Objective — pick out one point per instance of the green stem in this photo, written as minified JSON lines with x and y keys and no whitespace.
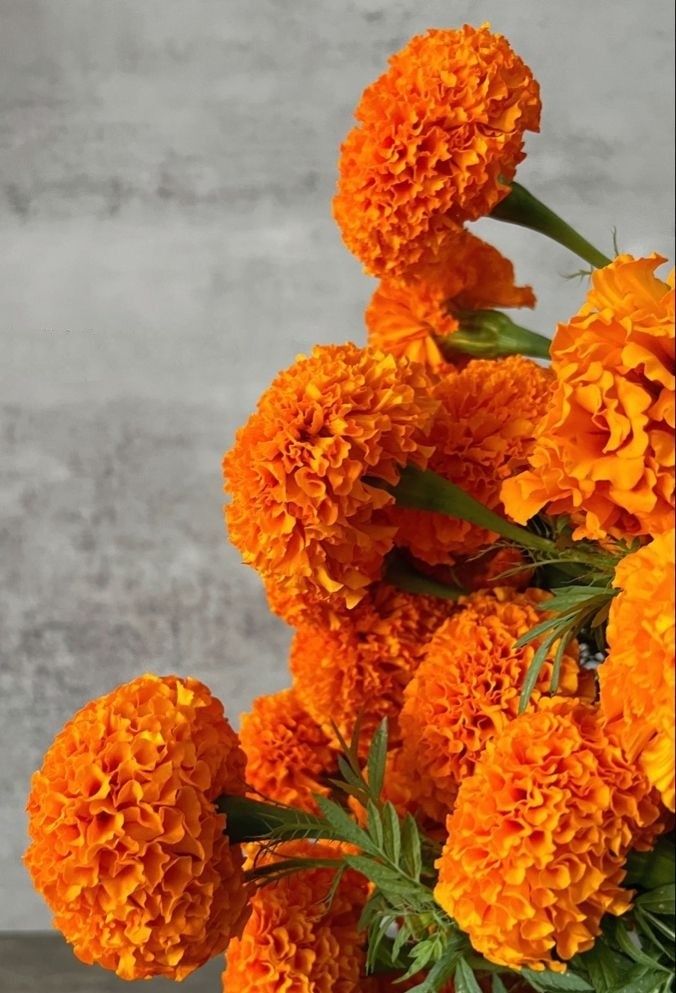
{"x":423,"y":489}
{"x":521,"y":207}
{"x":489,"y":334}
{"x":253,"y":820}
{"x":400,"y":574}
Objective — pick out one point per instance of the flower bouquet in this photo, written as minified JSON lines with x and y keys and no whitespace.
{"x":469,"y":785}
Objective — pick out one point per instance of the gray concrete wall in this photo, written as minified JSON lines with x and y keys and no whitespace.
{"x":165,"y":246}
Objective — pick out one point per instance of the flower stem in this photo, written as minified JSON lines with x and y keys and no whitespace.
{"x":423,"y":489}
{"x":399,"y":573}
{"x":521,"y":207}
{"x":490,"y":334}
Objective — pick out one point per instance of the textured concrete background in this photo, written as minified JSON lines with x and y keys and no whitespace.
{"x":167,"y":245}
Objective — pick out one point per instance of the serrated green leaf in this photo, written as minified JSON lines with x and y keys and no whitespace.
{"x":375,"y":762}
{"x":617,"y":931}
{"x":641,"y":980}
{"x":374,"y":825}
{"x":388,"y":880}
{"x":605,"y":967}
{"x":649,"y":870}
{"x":464,"y":979}
{"x":556,"y":982}
{"x":440,"y":973}
{"x":411,"y":847}
{"x":344,"y":826}
{"x":391,"y":833}
{"x":660,"y":901}
{"x":564,"y":641}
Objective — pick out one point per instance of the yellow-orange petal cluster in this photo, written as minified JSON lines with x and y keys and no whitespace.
{"x":637,"y":678}
{"x":407,"y":318}
{"x":360,"y":670}
{"x":483,"y":433}
{"x":539,"y":834}
{"x":127,"y":847}
{"x":304,"y":510}
{"x":437,"y":141}
{"x":288,"y":756}
{"x":295,"y":940}
{"x":604,"y":453}
{"x":467,"y":689}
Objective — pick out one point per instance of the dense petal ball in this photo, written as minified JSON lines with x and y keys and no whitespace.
{"x":637,"y":678}
{"x":467,"y":688}
{"x":360,"y":669}
{"x":437,"y":141}
{"x":288,"y":756}
{"x":408,"y":318}
{"x":127,"y":847}
{"x":294,"y":940}
{"x":605,"y":451}
{"x":539,"y":835}
{"x":304,"y":511}
{"x":483,"y":433}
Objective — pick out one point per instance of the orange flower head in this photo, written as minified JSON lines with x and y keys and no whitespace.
{"x":407,"y":318}
{"x":305,"y":511}
{"x":359,"y":670}
{"x":637,"y":678}
{"x":482,"y":434}
{"x":467,"y":688}
{"x":605,"y":451}
{"x":437,"y":141}
{"x":539,"y":835}
{"x":294,"y":940}
{"x":127,"y":847}
{"x":288,"y":756}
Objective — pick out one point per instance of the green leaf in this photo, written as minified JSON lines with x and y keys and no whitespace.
{"x":440,"y":973}
{"x":640,"y":980}
{"x":497,"y":985}
{"x":556,"y":982}
{"x":651,"y":869}
{"x":374,"y":825}
{"x":392,"y":833}
{"x":411,"y":847}
{"x":564,"y":641}
{"x":534,"y":670}
{"x":345,"y":828}
{"x":375,"y":762}
{"x":617,"y":931}
{"x":465,"y":980}
{"x":605,"y":967}
{"x":659,"y":901}
{"x":391,"y":882}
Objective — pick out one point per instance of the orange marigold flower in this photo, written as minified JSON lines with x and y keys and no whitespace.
{"x":360,"y":669}
{"x":127,"y":847}
{"x":637,"y":678}
{"x":408,"y":318}
{"x":294,"y":940}
{"x":467,"y":688}
{"x":438,"y":138}
{"x":539,"y":835}
{"x":605,"y":452}
{"x":482,"y":434}
{"x":288,"y":756}
{"x":304,"y":511}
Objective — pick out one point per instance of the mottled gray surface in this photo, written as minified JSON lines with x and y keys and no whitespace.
{"x":167,"y":245}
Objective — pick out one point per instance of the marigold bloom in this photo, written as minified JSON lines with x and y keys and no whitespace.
{"x":539,"y":834}
{"x":438,"y":138}
{"x":467,"y":688}
{"x":360,"y":669}
{"x":482,"y":434}
{"x":408,"y":318}
{"x":294,"y":940}
{"x":288,"y":756}
{"x":303,"y":511}
{"x":637,"y":678}
{"x":127,"y":847}
{"x":605,"y":452}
